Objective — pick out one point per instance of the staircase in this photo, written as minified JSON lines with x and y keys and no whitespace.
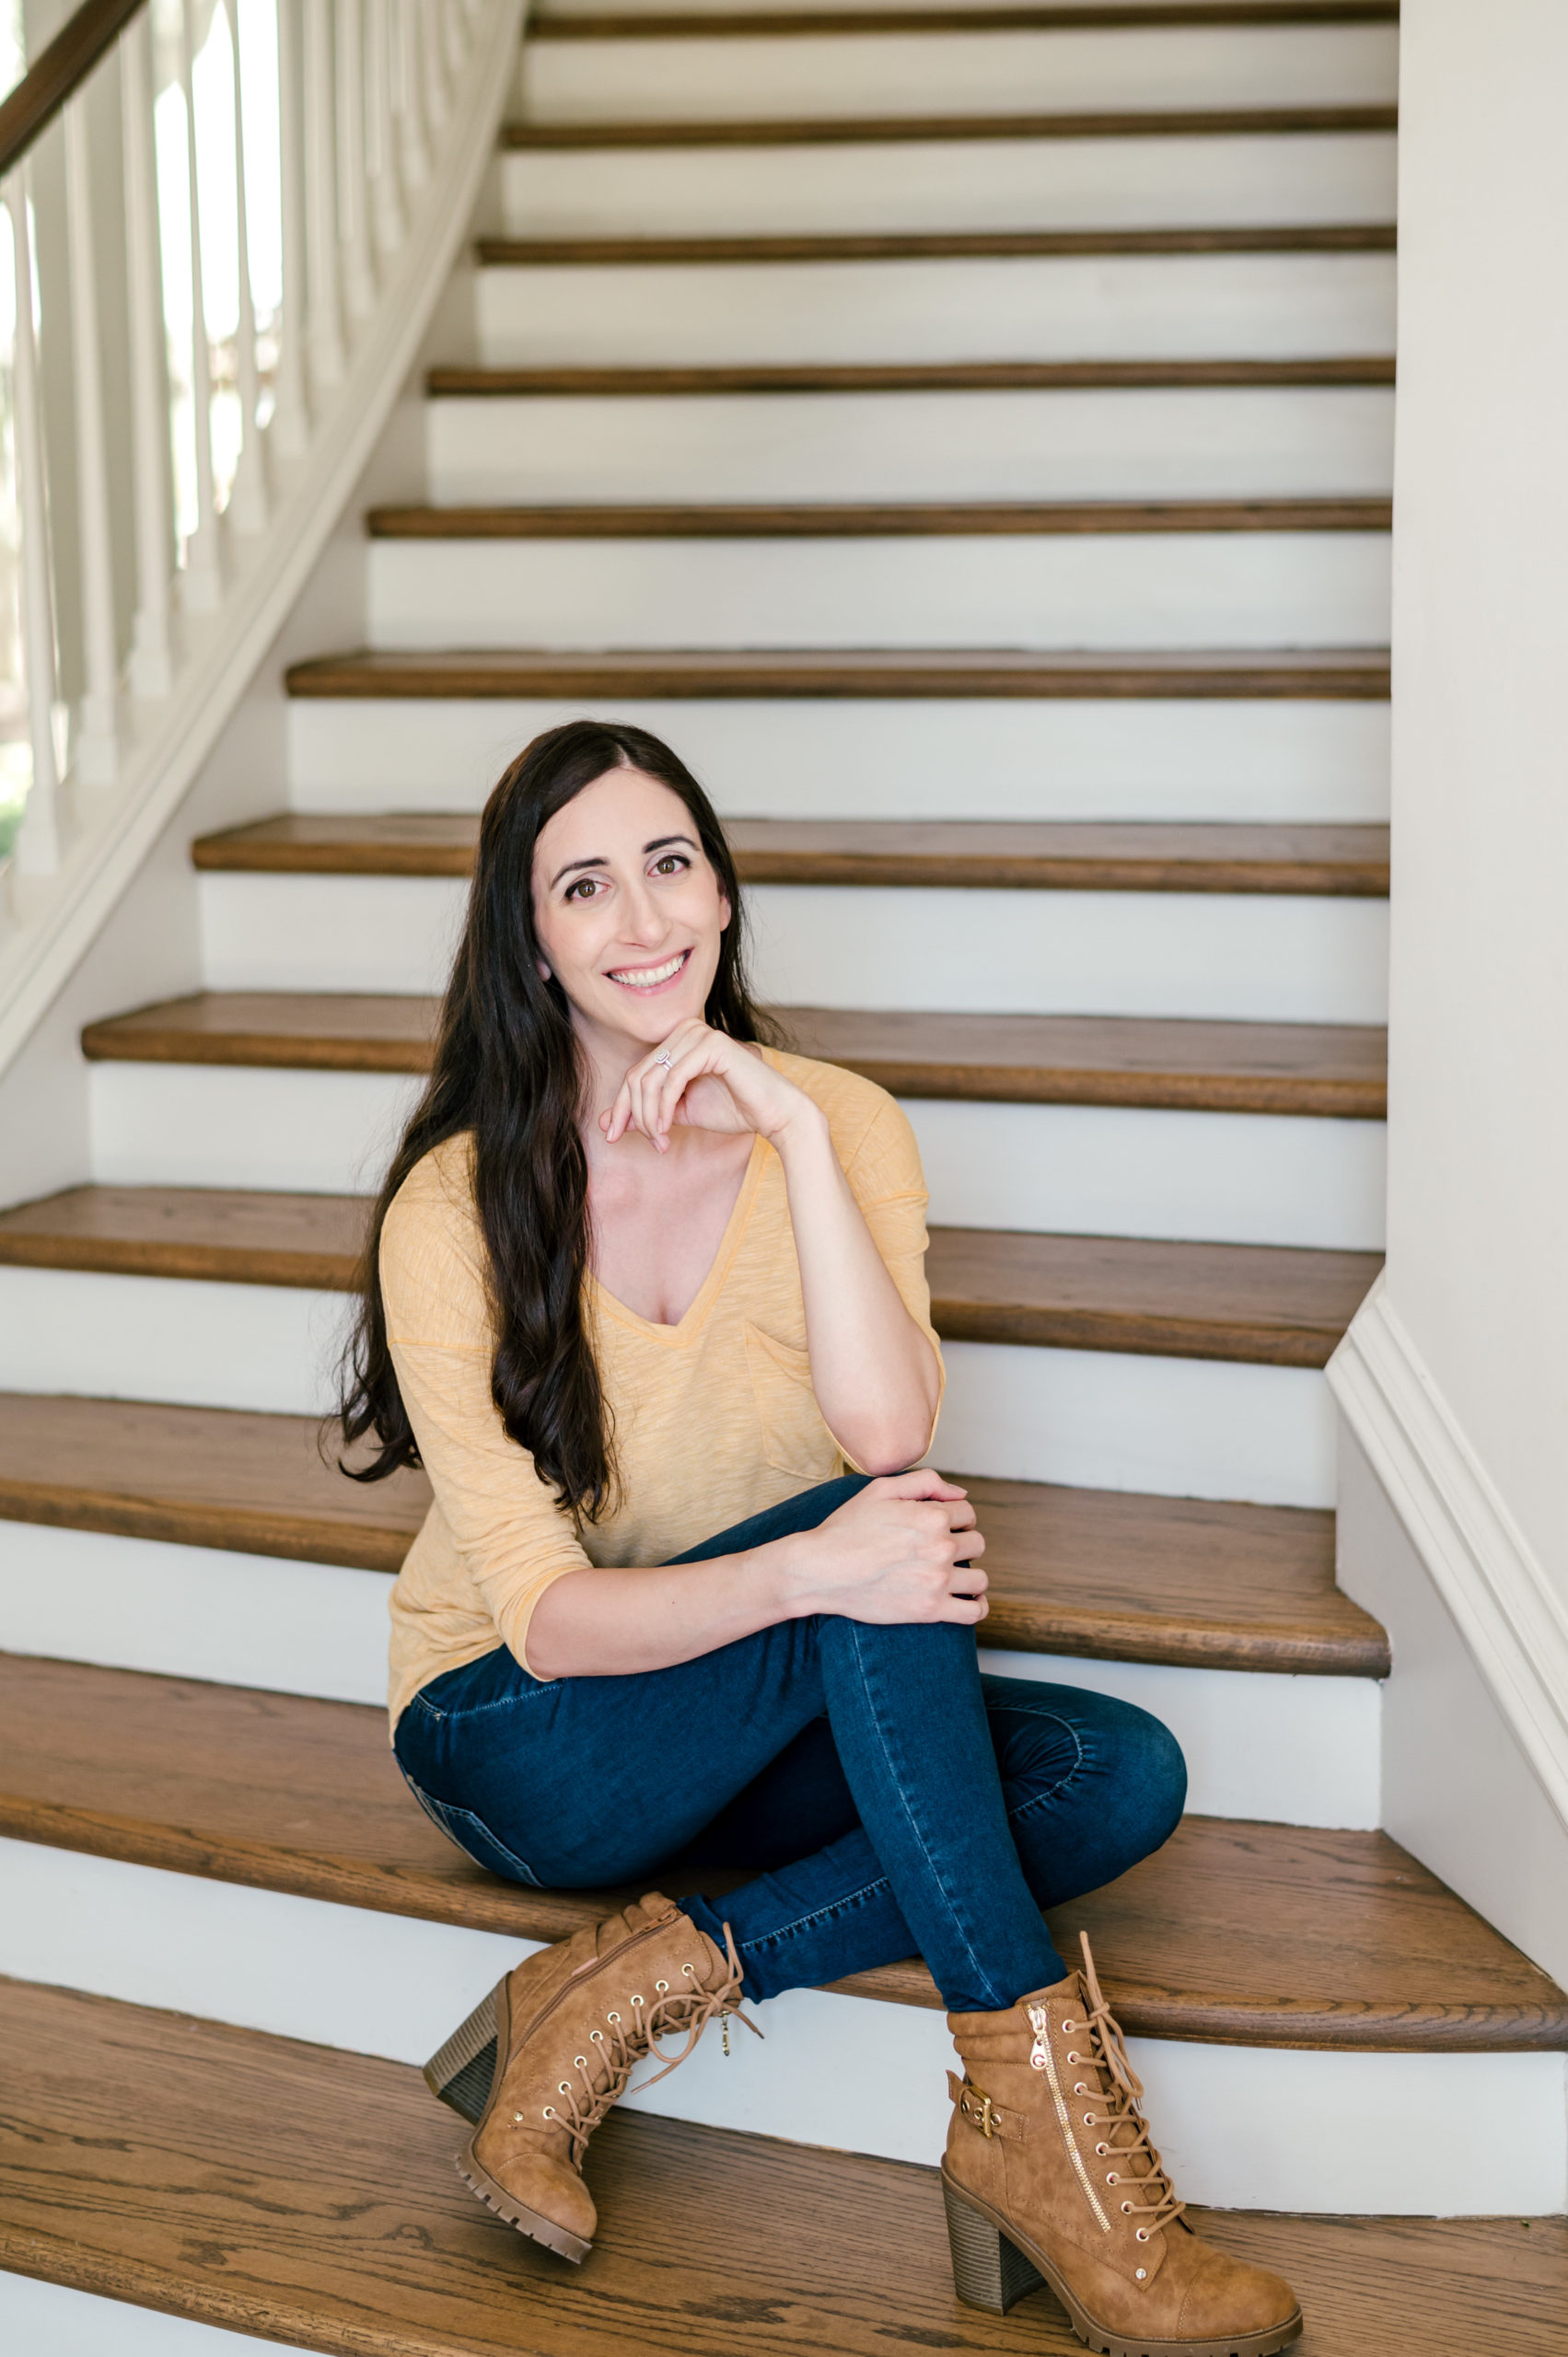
{"x":967,"y":437}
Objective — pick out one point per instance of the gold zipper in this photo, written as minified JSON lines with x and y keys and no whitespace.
{"x":1041,"y":2059}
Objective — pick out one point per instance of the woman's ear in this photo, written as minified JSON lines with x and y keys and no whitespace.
{"x":724,"y":907}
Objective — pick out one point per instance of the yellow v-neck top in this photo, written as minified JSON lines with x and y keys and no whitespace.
{"x":713,"y":1418}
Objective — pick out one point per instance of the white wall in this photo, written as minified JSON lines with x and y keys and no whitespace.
{"x":1478,"y":1148}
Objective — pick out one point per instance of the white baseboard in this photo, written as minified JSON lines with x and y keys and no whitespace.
{"x":1262,"y":2128}
{"x":1504,"y":1604}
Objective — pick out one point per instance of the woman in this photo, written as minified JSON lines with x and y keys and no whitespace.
{"x":638,"y":1278}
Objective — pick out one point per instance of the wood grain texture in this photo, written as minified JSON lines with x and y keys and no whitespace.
{"x":1341,"y":861}
{"x":1264,"y":1304}
{"x":818,"y":131}
{"x":1115,"y":15}
{"x":1098,"y":1572}
{"x":903,"y":376}
{"x":225,"y":1235}
{"x":876,"y":520}
{"x":1345,"y":674}
{"x":1238,"y":1934}
{"x":936,"y":245}
{"x":1303,"y":1068}
{"x":336,"y":2221}
{"x":1260,"y":1304}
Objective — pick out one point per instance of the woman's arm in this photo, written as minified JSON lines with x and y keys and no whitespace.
{"x":875,"y":1373}
{"x":904,"y":1548}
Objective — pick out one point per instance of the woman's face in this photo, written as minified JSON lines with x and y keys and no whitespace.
{"x":627,"y":911}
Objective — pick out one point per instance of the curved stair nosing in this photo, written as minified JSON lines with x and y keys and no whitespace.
{"x":813,"y":131}
{"x":1325,"y":860}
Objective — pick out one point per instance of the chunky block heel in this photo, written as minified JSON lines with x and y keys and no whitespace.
{"x":462,"y":2071}
{"x":988,"y":2271}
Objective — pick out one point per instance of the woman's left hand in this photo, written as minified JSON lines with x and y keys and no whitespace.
{"x":706,"y":1079}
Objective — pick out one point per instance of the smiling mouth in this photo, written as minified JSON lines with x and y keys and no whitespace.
{"x":649,"y":977}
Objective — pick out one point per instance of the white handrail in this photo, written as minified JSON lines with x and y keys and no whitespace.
{"x":313,"y":271}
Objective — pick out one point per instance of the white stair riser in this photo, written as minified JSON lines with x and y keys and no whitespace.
{"x":1221,"y":956}
{"x":1240,"y":2127}
{"x":1184,"y":1427}
{"x":40,"y":2319}
{"x":1283,"y":1749}
{"x":1083,"y":1169}
{"x":1213,"y":307}
{"x":843,"y":759}
{"x":1273,"y":181}
{"x":1122,"y":444}
{"x":1177,"y":590}
{"x":1054,"y":72}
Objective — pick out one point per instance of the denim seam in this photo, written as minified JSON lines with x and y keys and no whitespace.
{"x":476,"y":1710}
{"x":808,"y":1922}
{"x":982,"y":1978}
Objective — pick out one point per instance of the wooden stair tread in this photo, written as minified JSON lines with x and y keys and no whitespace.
{"x":824,"y":520}
{"x":1000,"y":853}
{"x":1118,"y":16}
{"x":900,"y":377}
{"x":935,"y":245}
{"x":813,"y":131}
{"x":336,"y":2221}
{"x":1336,"y":674}
{"x":1200,"y":1940}
{"x":1298,"y":1068}
{"x":1101,"y":1573}
{"x":1265,"y":1305}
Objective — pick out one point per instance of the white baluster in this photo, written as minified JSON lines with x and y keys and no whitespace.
{"x":327,"y":359}
{"x":409,"y":96}
{"x":430,"y":58}
{"x":152,"y":667}
{"x":290,"y":428}
{"x":354,"y":216}
{"x":247,"y":499}
{"x":96,"y":752}
{"x":387,"y":202}
{"x":37,"y":851}
{"x":203,"y":560}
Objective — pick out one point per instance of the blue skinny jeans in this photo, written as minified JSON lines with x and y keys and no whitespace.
{"x":885,"y":1797}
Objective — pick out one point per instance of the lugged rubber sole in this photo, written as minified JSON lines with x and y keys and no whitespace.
{"x":518,"y":2214}
{"x":994,"y":2266}
{"x":462,"y":2073}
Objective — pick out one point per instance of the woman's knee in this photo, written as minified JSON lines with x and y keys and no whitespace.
{"x":1150,"y":1773}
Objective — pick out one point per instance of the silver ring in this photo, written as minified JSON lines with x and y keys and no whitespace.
{"x":662,"y":1057}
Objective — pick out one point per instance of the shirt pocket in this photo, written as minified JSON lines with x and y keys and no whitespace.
{"x":794,"y":1438}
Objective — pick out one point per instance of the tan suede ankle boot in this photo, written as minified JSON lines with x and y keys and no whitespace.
{"x":1050,"y":2177}
{"x":539,"y":2065}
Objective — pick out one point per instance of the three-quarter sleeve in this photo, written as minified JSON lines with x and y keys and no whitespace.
{"x":884,"y":1171}
{"x":511,"y":1538}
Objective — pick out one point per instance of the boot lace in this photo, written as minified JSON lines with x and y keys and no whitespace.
{"x":622,"y":2045}
{"x":1142,"y":2173}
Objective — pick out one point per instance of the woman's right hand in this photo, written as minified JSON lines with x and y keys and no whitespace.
{"x":903,"y":1549}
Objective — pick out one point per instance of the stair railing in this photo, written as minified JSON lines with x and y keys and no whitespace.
{"x":225,"y":225}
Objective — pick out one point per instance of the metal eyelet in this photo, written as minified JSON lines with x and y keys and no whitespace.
{"x":661,"y":1986}
{"x":1140,"y":2274}
{"x":581,"y":2061}
{"x":639,"y":2001}
{"x":1081,"y":2090}
{"x":689,"y":1968}
{"x":1112,"y":2177}
{"x":550,"y":2112}
{"x":1143,"y":2233}
{"x":596,"y":2038}
{"x":1075,"y":2058}
{"x":517,"y":2119}
{"x":1127,"y":2209}
{"x":564,"y":2089}
{"x":1089,"y":2120}
{"x":1068,"y":2028}
{"x":612,"y":2017}
{"x":1102,"y":2150}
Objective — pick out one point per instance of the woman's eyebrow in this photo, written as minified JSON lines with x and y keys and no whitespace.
{"x":599,"y":860}
{"x":663,"y":843}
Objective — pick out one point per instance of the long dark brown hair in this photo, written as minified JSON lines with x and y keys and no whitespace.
{"x":507,"y":1068}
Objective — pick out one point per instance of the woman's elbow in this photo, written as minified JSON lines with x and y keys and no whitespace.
{"x":892,"y":1448}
